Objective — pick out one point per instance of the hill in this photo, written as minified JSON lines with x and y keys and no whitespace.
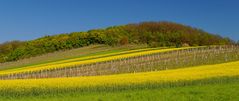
{"x":148,"y":61}
{"x":154,"y":34}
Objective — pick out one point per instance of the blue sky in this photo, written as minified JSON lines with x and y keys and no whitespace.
{"x":30,"y":19}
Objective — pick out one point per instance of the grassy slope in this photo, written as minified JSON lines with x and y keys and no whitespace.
{"x":92,"y":50}
{"x":96,"y":55}
{"x":91,"y":60}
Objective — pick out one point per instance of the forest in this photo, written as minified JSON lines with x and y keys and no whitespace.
{"x":154,"y":34}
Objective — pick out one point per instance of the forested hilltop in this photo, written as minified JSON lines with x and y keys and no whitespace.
{"x":155,"y":34}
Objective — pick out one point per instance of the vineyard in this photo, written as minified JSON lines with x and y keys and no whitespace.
{"x":168,"y":78}
{"x":125,"y":71}
{"x":89,"y":50}
{"x":141,"y":60}
{"x":87,"y":60}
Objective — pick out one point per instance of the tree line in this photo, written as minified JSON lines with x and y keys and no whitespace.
{"x":155,"y":34}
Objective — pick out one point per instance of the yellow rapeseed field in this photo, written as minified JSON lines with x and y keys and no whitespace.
{"x":94,"y":60}
{"x":194,"y":73}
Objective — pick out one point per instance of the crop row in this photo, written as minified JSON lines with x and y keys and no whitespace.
{"x":94,"y":57}
{"x":69,"y":55}
{"x":169,"y":77}
{"x":87,"y":61}
{"x":153,"y":62}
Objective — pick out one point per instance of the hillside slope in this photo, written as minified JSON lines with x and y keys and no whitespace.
{"x":82,"y":86}
{"x":125,"y":61}
{"x":129,"y":73}
{"x":155,"y":34}
{"x":86,"y":51}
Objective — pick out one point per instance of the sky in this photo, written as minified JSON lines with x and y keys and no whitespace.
{"x":30,"y":19}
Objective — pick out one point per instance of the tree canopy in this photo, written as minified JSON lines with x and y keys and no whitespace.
{"x":155,"y":34}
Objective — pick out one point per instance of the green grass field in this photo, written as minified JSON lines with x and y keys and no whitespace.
{"x":224,"y":90}
{"x":211,"y":92}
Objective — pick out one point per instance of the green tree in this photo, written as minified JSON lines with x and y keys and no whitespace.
{"x":154,"y":34}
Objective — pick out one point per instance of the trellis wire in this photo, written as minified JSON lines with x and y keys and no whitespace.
{"x":144,"y":63}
